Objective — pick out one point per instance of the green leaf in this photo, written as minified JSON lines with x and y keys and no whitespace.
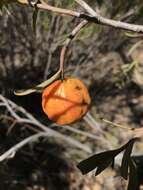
{"x":4,"y":7}
{"x":133,"y":178}
{"x":133,"y":35}
{"x":126,"y":160}
{"x":39,"y":87}
{"x":34,"y":18}
{"x":134,"y":47}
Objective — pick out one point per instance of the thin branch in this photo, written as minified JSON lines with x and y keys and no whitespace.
{"x":48,"y":65}
{"x":97,"y":137}
{"x":12,"y":151}
{"x":32,"y":120}
{"x":87,"y":7}
{"x":108,"y":22}
{"x":67,"y":139}
{"x":48,"y":7}
{"x":78,"y":131}
{"x":4,"y":100}
{"x":92,"y":123}
{"x":67,"y":43}
{"x":92,"y":16}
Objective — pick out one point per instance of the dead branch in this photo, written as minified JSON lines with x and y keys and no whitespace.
{"x":29,"y":119}
{"x":45,"y":131}
{"x":92,"y":16}
{"x":109,"y":22}
{"x":12,"y":151}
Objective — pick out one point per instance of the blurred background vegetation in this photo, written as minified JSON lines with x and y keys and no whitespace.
{"x":109,"y":61}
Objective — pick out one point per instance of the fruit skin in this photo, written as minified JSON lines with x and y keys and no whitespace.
{"x":66,"y":101}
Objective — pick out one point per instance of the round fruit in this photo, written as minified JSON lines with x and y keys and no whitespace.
{"x":65,"y":101}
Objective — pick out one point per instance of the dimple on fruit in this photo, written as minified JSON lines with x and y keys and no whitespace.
{"x":65,"y":101}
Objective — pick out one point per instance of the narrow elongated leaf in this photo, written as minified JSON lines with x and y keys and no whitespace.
{"x":113,"y":163}
{"x":103,"y":166}
{"x":133,"y":178}
{"x":4,"y":7}
{"x":101,"y":160}
{"x":126,"y":160}
{"x":134,"y":47}
{"x":133,"y":35}
{"x":34,"y":19}
{"x":39,"y":87}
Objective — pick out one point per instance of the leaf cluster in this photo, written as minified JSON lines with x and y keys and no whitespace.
{"x":105,"y":159}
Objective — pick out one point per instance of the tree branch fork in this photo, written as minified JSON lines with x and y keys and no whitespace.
{"x":90,"y":16}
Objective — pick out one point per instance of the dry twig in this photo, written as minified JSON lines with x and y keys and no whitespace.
{"x":92,"y":16}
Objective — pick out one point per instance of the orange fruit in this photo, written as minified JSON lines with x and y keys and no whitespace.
{"x":65,"y":101}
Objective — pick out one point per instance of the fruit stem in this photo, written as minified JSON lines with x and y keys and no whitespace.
{"x":62,"y":62}
{"x":62,"y":73}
